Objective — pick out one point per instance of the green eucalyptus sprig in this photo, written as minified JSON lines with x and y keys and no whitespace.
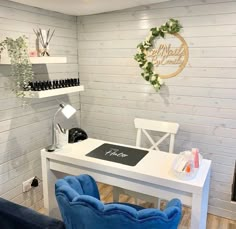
{"x":21,"y":67}
{"x":172,"y":26}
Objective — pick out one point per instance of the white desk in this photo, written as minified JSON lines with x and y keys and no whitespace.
{"x":152,"y":176}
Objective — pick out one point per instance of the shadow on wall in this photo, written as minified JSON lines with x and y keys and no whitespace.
{"x":24,"y":131}
{"x":165,"y":94}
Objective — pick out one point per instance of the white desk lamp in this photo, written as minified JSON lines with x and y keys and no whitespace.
{"x":67,"y":110}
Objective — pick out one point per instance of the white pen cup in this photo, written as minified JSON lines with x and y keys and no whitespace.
{"x":62,"y":138}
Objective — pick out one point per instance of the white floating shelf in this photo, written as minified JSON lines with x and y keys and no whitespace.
{"x":40,"y":60}
{"x":48,"y":60}
{"x":53,"y":92}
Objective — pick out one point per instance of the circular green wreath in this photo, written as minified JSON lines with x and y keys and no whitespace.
{"x":172,"y":26}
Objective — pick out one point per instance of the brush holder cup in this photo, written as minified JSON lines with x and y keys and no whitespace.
{"x":61,"y":138}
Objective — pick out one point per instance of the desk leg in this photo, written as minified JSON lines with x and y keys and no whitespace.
{"x":200,"y":206}
{"x":49,"y":180}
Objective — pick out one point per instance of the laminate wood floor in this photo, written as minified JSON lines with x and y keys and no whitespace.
{"x":213,"y":222}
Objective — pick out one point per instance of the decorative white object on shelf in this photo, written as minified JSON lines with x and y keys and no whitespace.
{"x":40,"y":60}
{"x":53,"y":92}
{"x":43,"y":38}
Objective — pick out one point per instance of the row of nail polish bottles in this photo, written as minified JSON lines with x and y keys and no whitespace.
{"x":53,"y":84}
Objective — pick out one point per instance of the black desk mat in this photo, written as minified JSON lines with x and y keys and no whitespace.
{"x":118,"y":154}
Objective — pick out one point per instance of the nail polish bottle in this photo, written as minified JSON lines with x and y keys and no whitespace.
{"x":30,"y":86}
{"x":53,"y":84}
{"x":70,"y":82}
{"x":57,"y":84}
{"x":50,"y":85}
{"x":76,"y":82}
{"x":37,"y":86}
{"x":47,"y":85}
{"x":33,"y":86}
{"x":60,"y":83}
{"x":42,"y":85}
{"x":195,"y":153}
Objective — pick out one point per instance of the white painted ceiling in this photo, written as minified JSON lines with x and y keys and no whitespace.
{"x":86,"y":7}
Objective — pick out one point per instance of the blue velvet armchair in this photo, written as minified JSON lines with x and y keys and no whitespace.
{"x":15,"y":216}
{"x":80,"y":206}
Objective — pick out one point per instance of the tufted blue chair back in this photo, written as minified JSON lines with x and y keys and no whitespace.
{"x":79,"y":202}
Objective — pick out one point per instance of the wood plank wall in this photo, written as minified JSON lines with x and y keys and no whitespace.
{"x":24,"y":131}
{"x":202,"y":99}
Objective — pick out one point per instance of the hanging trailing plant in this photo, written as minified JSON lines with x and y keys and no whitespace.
{"x":170,"y":27}
{"x":21,"y":67}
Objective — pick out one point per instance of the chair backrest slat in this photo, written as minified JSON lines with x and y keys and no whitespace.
{"x":166,"y":127}
{"x":160,"y":140}
{"x":150,"y":139}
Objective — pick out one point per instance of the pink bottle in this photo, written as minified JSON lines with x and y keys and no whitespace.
{"x":195,"y":153}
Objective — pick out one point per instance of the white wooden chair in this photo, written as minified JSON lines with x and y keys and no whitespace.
{"x":170,"y":129}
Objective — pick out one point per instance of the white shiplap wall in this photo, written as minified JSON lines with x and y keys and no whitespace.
{"x":202,"y":98}
{"x":24,"y":131}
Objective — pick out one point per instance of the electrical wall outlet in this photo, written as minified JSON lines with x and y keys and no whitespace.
{"x":26,"y":185}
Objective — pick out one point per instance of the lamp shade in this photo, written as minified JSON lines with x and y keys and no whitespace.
{"x":68,"y":111}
